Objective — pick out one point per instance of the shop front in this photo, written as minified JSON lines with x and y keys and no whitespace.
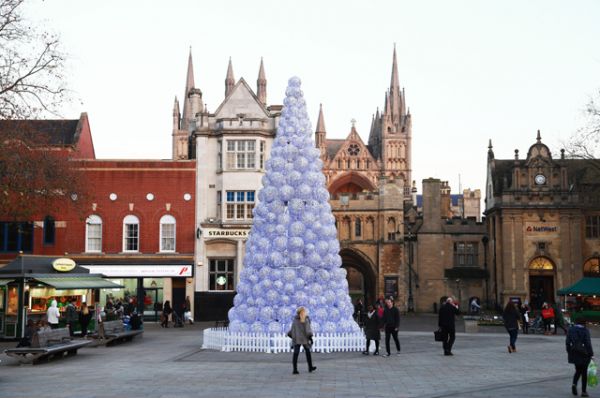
{"x":145,"y":286}
{"x":29,"y":284}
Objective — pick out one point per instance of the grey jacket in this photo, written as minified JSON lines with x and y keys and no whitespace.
{"x":300,"y":332}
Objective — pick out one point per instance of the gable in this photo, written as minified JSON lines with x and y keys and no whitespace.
{"x":353,"y":147}
{"x":241,"y":101}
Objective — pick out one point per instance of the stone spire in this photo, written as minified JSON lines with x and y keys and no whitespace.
{"x":176,"y":114}
{"x":320,"y":132}
{"x":395,"y":93}
{"x":189,"y":85}
{"x":539,"y":137}
{"x":229,"y":79}
{"x":261,"y":84}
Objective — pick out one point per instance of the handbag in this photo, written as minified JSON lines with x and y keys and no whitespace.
{"x":437,"y":335}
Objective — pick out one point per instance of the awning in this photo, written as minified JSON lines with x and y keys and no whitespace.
{"x":585,"y":286}
{"x":79,"y":283}
{"x":4,"y":282}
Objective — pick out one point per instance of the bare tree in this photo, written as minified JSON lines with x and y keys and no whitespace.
{"x":36,"y":176}
{"x":31,"y":66}
{"x":585,"y":143}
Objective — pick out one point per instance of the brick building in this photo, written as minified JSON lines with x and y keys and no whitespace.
{"x":134,"y":223}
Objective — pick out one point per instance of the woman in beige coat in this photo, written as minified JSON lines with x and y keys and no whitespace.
{"x":301,"y":335}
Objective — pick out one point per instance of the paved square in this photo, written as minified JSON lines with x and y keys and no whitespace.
{"x":170,"y":363}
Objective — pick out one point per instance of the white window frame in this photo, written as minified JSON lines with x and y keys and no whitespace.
{"x":245,"y":205}
{"x":93,"y":220}
{"x":167,"y":220}
{"x":131,"y":220}
{"x":239,"y":156}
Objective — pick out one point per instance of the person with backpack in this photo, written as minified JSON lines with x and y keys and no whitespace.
{"x":580,"y":353}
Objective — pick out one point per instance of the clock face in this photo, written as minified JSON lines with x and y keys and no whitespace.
{"x":540,"y":179}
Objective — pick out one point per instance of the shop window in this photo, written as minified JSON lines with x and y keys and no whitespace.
{"x":131,"y":234}
{"x":592,"y":227}
{"x":93,"y":234}
{"x":221,"y":274}
{"x":167,"y":233}
{"x":239,"y":205}
{"x":15,"y":237}
{"x":241,"y":154}
{"x":465,"y":254}
{"x":49,"y":230}
{"x":357,"y":228}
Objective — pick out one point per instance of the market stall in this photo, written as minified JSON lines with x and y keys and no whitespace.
{"x":29,"y":284}
{"x":582,"y":299}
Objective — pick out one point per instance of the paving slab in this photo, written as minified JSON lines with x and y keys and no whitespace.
{"x":171,"y":363}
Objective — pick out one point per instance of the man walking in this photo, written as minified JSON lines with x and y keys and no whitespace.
{"x":446,"y":322}
{"x":391,"y":322}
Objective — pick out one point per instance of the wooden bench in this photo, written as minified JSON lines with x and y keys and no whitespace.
{"x":47,"y":344}
{"x":222,"y":323}
{"x":111,"y":332}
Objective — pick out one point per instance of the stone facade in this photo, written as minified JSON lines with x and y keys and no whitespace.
{"x":449,"y":255}
{"x":543,"y":223}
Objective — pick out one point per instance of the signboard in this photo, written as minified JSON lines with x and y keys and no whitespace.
{"x":63,"y":264}
{"x":538,"y":228}
{"x":142,"y":271}
{"x":391,"y":287}
{"x":211,"y":233}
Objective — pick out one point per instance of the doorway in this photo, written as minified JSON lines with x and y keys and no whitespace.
{"x":178,"y":295}
{"x":541,"y":290}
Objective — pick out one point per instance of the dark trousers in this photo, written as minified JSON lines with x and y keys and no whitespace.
{"x":376,"y":345}
{"x":165,"y":320}
{"x":547,"y":324}
{"x":71,"y":326}
{"x":297,"y":352}
{"x":525,"y":326}
{"x":558,"y":324}
{"x":391,"y":331}
{"x":54,"y":326}
{"x":84,"y":329}
{"x":513,"y":333}
{"x":448,"y":337}
{"x":581,"y":370}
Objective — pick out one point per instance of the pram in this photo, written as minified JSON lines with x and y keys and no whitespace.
{"x":536,"y":326}
{"x":177,"y":320}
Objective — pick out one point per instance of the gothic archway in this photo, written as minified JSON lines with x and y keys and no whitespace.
{"x":361,"y":275}
{"x":350,"y":183}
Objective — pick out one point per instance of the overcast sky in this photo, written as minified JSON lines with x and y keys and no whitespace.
{"x":472,"y":70}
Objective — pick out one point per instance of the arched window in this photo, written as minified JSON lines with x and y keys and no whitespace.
{"x":131,"y":234}
{"x":49,"y":230}
{"x":592,"y":267}
{"x":357,"y":228}
{"x":93,"y":234}
{"x":167,"y":233}
{"x":391,"y":228}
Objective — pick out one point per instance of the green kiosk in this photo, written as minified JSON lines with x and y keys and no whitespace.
{"x":29,"y":283}
{"x":582,"y":299}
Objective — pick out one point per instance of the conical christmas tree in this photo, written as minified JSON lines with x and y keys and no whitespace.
{"x":292,"y":255}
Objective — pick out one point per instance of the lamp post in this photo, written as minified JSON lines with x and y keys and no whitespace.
{"x":410,"y":238}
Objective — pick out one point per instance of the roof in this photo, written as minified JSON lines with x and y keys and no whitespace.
{"x":36,"y":265}
{"x":55,"y":132}
{"x":585,"y":286}
{"x":333,"y":146}
{"x":64,"y":283}
{"x":454,"y":198}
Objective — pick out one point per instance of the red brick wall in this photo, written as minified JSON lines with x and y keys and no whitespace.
{"x":131,"y":181}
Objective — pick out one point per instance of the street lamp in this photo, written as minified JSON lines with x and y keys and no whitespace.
{"x":410,"y":238}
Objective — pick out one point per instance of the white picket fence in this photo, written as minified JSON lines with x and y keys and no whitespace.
{"x":222,"y":339}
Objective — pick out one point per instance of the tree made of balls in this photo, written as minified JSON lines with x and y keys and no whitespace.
{"x":292,"y":255}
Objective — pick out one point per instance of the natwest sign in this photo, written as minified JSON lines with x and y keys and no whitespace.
{"x":541,"y":228}
{"x":142,"y":271}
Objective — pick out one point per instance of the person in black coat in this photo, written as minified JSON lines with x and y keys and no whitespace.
{"x":511,"y":317}
{"x":391,"y":322}
{"x":372,"y":326}
{"x":167,"y":310}
{"x":85,"y":316}
{"x":447,"y":324}
{"x":580,"y":353}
